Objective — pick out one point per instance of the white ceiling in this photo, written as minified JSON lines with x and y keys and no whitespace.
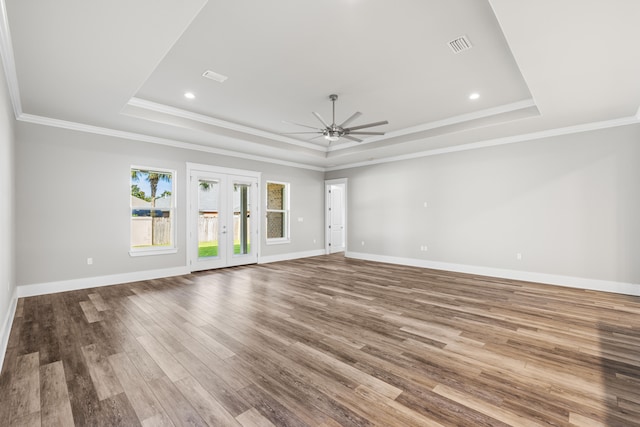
{"x":123,"y":66}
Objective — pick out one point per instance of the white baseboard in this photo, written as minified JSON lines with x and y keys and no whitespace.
{"x":6,"y":326}
{"x":115,"y":279}
{"x":290,"y":255}
{"x":528,"y":276}
{"x":92,"y":282}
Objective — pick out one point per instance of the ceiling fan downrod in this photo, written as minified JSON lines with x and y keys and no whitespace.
{"x":334,"y":132}
{"x":333,"y":97}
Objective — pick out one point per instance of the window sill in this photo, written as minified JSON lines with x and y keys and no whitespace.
{"x":278,"y":241}
{"x":149,"y":252}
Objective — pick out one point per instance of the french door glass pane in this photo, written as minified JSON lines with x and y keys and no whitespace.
{"x":208,"y":218}
{"x":241,"y":215}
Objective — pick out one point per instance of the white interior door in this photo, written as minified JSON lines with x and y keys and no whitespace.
{"x":336,"y":216}
{"x":223,"y":226}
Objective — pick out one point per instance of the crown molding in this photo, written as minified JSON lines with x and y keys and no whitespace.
{"x":8,"y":61}
{"x":80,"y":127}
{"x":201,"y":118}
{"x":624,"y":121}
{"x":488,"y":112}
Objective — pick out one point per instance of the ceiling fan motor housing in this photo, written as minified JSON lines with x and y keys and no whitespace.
{"x":333,"y":134}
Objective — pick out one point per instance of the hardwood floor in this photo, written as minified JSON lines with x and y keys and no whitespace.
{"x":324,"y":341}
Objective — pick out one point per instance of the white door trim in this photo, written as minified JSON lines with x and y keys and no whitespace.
{"x":219,"y":169}
{"x":327,"y":217}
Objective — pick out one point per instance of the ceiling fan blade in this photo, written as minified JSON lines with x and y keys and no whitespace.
{"x":351,"y":138}
{"x":319,"y":117}
{"x":366,"y":133}
{"x":368,"y":125}
{"x":299,"y":124}
{"x":350,"y":119}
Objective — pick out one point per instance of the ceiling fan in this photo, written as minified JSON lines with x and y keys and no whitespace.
{"x":333,"y":132}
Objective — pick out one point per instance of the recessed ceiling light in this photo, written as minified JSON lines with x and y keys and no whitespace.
{"x":474,"y":95}
{"x":189,"y":95}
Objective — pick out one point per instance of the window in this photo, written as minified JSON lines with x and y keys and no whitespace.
{"x":277,"y":212}
{"x":152,"y":211}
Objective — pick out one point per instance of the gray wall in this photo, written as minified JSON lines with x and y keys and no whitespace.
{"x":570,"y":205}
{"x":73,"y":203}
{"x":7,"y":235}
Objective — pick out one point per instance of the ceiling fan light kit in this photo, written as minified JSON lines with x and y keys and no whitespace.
{"x":333,"y":132}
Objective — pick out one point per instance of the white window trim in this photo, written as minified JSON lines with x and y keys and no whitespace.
{"x":165,"y":250}
{"x":135,"y":252}
{"x":286,"y":211}
{"x":278,"y":241}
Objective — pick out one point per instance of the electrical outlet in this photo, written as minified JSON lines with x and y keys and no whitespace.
{"x":425,"y":204}
{"x":519,"y":256}
{"x":363,"y":243}
{"x":314,"y":240}
{"x":89,"y":261}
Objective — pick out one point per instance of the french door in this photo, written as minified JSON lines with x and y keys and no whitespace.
{"x":223,"y":226}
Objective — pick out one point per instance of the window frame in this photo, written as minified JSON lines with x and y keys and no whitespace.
{"x":286,"y":212}
{"x":159,"y":250}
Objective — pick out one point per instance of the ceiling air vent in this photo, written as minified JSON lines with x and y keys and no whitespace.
{"x":214,"y":76}
{"x":460,"y":44}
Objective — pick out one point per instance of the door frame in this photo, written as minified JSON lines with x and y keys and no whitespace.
{"x":192,"y":239}
{"x":327,"y":215}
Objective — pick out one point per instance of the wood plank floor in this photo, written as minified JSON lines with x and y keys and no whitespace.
{"x":324,"y":341}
